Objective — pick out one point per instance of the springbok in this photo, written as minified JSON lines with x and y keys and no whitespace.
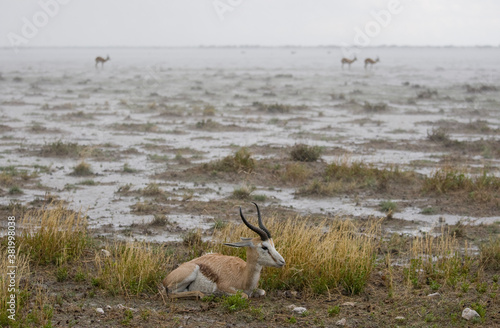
{"x":101,"y":60}
{"x":348,"y":61}
{"x":212,"y":273}
{"x":369,"y":61}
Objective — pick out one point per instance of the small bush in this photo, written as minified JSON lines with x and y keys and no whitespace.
{"x":243,"y":193}
{"x":15,"y":190}
{"x":82,"y":169}
{"x":388,"y":206}
{"x":304,"y":153}
{"x":439,"y":135}
{"x":160,"y":220}
{"x":62,"y":273}
{"x":241,"y":161}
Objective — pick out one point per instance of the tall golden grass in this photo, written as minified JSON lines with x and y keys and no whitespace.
{"x":319,"y":257}
{"x":53,"y":235}
{"x":131,"y":269}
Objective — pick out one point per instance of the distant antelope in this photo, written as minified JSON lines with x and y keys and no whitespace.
{"x":369,"y":61}
{"x":101,"y":60}
{"x":212,"y":273}
{"x":348,"y":61}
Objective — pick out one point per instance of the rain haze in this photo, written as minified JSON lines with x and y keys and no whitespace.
{"x":257,"y":22}
{"x":360,"y":139}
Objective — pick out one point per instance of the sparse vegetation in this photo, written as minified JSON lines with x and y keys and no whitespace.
{"x":82,"y":169}
{"x":305,"y":153}
{"x":241,"y":161}
{"x":243,"y":193}
{"x":378,"y":107}
{"x":388,"y":206}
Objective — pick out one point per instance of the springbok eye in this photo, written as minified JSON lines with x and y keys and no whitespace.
{"x":264,"y":248}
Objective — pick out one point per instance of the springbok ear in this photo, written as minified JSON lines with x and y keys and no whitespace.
{"x":246,"y":242}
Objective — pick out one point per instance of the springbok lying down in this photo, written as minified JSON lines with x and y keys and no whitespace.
{"x":214,"y":273}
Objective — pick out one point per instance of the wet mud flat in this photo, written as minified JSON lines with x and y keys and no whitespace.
{"x":143,"y":136}
{"x":165,"y":144}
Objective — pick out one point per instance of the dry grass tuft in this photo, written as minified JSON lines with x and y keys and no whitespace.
{"x":319,"y":257}
{"x":296,"y":173}
{"x":131,"y":269}
{"x":305,"y":153}
{"x":241,"y":161}
{"x":82,"y":169}
{"x":54,"y":235}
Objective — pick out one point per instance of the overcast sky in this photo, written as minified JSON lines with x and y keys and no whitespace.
{"x":249,"y":22}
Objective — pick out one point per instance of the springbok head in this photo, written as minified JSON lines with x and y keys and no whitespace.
{"x":262,"y":246}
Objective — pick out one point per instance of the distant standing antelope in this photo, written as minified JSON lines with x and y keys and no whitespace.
{"x":101,"y":60}
{"x":348,"y":61}
{"x":369,"y":61}
{"x":212,"y":273}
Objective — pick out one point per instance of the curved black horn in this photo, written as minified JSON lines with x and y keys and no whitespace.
{"x":261,"y":225}
{"x":260,"y":232}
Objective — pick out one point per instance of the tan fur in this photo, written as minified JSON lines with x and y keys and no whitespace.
{"x":369,"y":61}
{"x":348,"y":61}
{"x":101,"y":60}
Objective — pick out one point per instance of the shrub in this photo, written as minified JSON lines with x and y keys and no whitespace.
{"x":388,"y":206}
{"x":304,"y":153}
{"x":82,"y":169}
{"x":241,"y":161}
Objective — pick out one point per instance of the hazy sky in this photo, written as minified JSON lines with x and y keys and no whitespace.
{"x":242,"y":22}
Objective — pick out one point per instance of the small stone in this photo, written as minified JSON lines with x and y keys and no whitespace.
{"x":468,"y":314}
{"x":433,"y":295}
{"x":121,"y":307}
{"x":108,"y":307}
{"x":341,"y":322}
{"x":299,"y":309}
{"x":99,"y":310}
{"x":348,"y":304}
{"x":400,"y":318}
